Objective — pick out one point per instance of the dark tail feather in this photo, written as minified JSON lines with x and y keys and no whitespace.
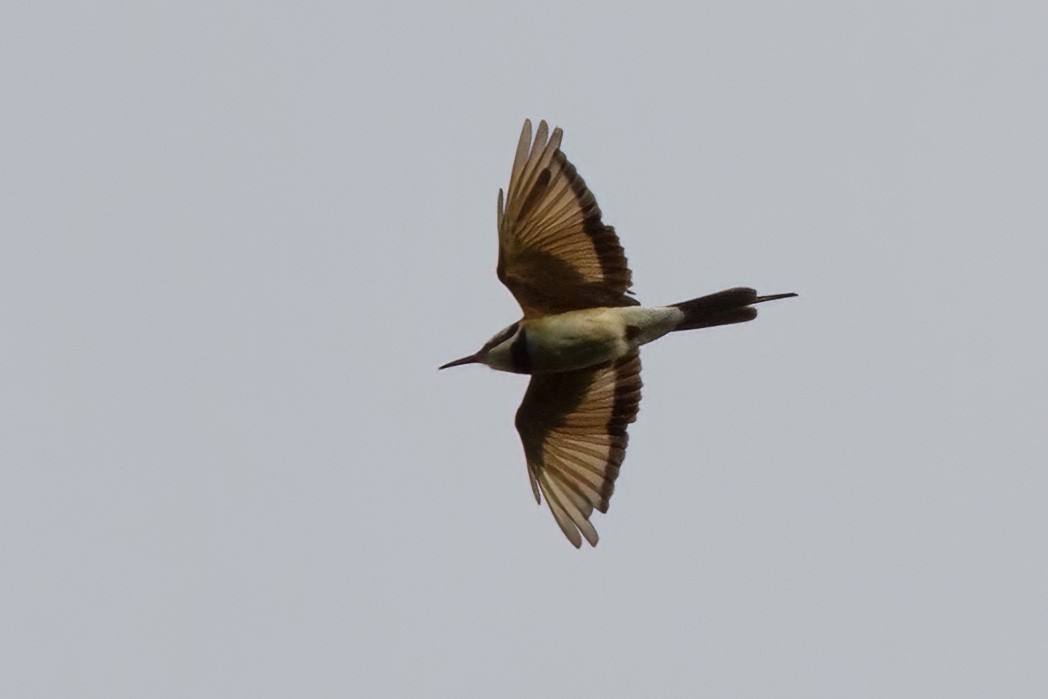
{"x":722,"y":308}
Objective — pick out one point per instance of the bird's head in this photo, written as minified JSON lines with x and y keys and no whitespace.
{"x":506,"y":351}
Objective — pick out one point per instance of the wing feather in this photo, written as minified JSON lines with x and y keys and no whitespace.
{"x":555,"y":253}
{"x":573,"y":428}
{"x":560,"y":513}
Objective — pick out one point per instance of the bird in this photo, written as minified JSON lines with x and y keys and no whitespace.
{"x":580,"y":333}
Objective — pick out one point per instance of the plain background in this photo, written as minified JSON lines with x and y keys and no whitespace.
{"x":238,"y":239}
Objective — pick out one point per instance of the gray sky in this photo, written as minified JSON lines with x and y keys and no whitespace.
{"x":238,"y":239}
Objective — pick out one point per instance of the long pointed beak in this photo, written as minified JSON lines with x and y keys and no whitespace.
{"x":471,"y":359}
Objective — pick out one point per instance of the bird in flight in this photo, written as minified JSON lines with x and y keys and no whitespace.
{"x":581,"y":331}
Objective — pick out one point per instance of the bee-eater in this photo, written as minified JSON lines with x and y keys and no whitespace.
{"x":580,"y":333}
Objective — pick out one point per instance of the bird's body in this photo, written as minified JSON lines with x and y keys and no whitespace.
{"x":579,"y":339}
{"x":580,"y":333}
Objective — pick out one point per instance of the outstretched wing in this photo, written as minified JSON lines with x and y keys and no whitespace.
{"x":573,"y":427}
{"x":555,"y":254}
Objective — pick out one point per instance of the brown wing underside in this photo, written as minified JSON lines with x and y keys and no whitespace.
{"x":555,"y":253}
{"x":573,"y":428}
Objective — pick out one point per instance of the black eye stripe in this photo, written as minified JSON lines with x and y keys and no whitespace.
{"x":519,"y":353}
{"x":501,"y":337}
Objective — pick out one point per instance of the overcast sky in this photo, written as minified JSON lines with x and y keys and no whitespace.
{"x":237,"y":239}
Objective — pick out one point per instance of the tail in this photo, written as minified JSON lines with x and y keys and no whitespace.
{"x":722,"y":308}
